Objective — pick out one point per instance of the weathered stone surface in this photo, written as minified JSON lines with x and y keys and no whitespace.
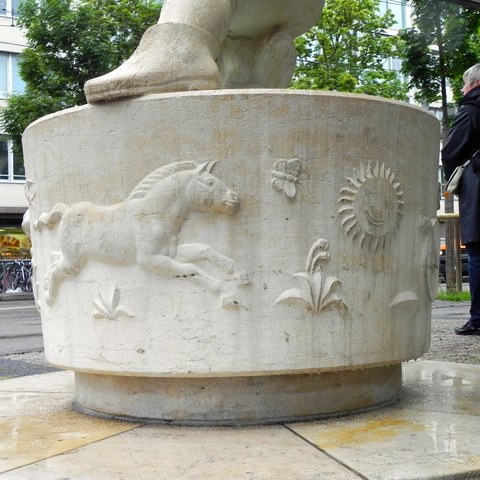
{"x":308,"y":246}
{"x":209,"y":44}
{"x":238,"y":400}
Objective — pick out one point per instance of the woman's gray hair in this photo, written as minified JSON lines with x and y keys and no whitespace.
{"x":472,"y":75}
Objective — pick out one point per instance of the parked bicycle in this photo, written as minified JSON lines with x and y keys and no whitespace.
{"x":15,"y":276}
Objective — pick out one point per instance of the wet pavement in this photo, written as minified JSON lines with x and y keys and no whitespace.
{"x":431,"y":433}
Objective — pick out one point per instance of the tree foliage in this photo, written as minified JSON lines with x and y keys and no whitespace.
{"x":440,"y":46}
{"x":347,"y":50}
{"x":69,"y":42}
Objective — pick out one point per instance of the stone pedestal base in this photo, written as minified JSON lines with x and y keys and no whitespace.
{"x":238,"y":400}
{"x":200,"y":257}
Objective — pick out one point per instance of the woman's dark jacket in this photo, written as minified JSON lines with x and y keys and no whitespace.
{"x":463,"y":141}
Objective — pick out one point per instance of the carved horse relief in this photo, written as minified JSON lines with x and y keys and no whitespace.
{"x":144,"y":228}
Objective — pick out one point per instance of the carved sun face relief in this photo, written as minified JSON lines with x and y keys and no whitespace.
{"x":371,"y":206}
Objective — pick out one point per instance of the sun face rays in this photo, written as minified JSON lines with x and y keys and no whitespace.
{"x":370,"y":206}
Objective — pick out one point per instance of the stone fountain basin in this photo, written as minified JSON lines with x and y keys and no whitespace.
{"x":299,"y":300}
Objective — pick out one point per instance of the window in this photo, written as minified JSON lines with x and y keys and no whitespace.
{"x":3,"y":159}
{"x":9,"y":7}
{"x":14,"y":6}
{"x":399,"y":10}
{"x":3,"y":74}
{"x":18,"y":85}
{"x":395,"y":65}
{"x":11,"y":169}
{"x":10,"y":81}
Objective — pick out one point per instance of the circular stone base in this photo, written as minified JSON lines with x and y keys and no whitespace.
{"x":237,"y":400}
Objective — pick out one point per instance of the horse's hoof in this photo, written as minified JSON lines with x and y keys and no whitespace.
{"x":230,"y":302}
{"x":155,"y":68}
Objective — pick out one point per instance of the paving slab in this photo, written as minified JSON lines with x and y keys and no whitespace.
{"x":441,"y":387}
{"x":395,"y":444}
{"x":56,"y":382}
{"x":37,"y":420}
{"x":431,"y":433}
{"x":186,"y":453}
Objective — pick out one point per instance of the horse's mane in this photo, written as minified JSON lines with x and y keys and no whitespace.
{"x":153,"y":178}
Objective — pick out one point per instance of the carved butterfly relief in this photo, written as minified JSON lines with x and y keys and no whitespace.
{"x":286,"y":176}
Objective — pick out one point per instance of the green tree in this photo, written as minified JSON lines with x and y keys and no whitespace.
{"x":69,"y":42}
{"x":442,"y":43}
{"x":347,"y":50}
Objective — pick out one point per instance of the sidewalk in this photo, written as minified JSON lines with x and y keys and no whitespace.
{"x":432,"y":432}
{"x":4,"y":297}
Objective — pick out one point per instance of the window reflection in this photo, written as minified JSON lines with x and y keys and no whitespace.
{"x":9,"y":7}
{"x":18,"y":85}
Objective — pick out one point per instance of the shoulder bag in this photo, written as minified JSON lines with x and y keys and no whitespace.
{"x":453,"y":184}
{"x":455,"y":180}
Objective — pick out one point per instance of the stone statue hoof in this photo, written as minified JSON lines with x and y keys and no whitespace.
{"x":157,"y":67}
{"x":113,"y":87}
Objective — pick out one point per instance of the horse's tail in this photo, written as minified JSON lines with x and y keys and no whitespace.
{"x":52,"y":217}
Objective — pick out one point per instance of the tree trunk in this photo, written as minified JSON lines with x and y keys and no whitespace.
{"x":450,"y":277}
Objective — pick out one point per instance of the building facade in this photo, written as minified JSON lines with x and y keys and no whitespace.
{"x":13,"y":243}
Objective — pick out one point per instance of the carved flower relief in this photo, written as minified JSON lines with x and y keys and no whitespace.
{"x":110,"y":308}
{"x":287,"y":174}
{"x":316,"y":290}
{"x":371,"y":206}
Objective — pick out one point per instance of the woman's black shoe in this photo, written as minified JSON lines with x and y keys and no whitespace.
{"x":467,"y":329}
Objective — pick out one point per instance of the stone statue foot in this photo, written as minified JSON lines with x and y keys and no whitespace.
{"x":170,"y":57}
